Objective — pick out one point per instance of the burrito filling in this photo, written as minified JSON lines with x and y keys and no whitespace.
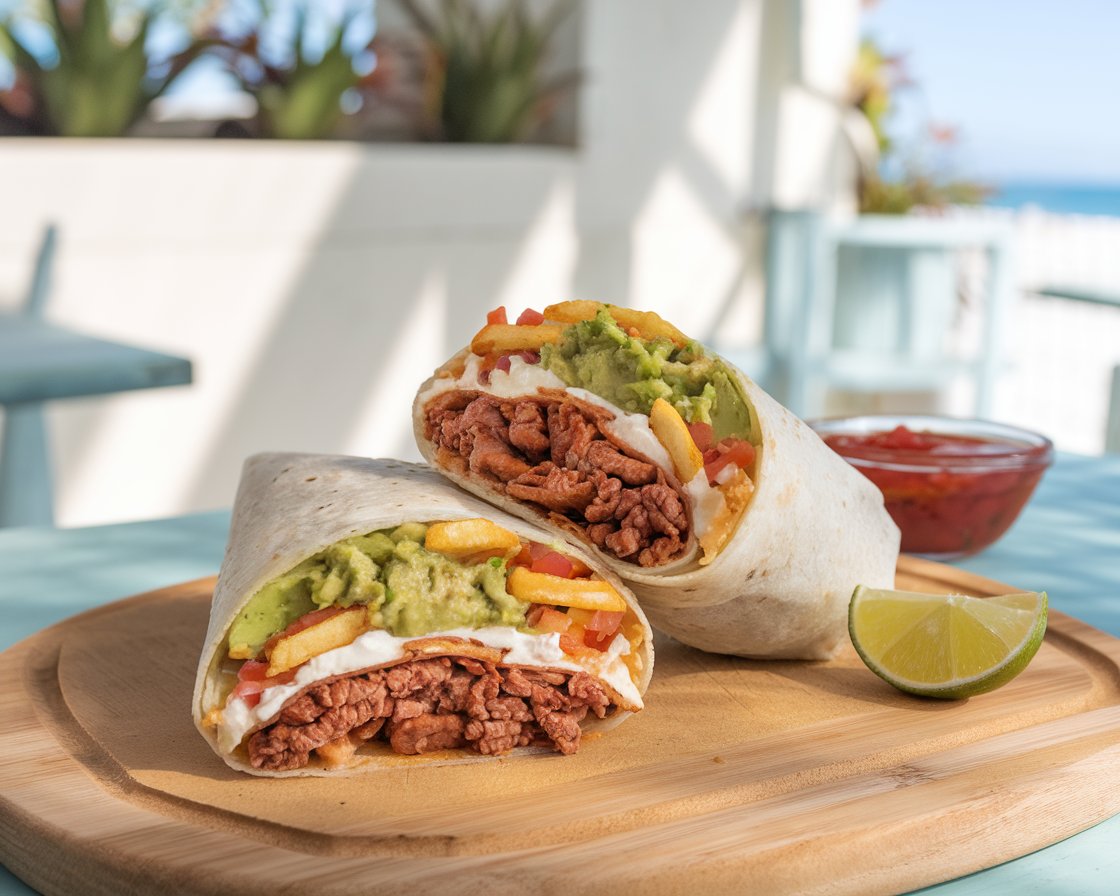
{"x":426,"y":637}
{"x":615,"y":426}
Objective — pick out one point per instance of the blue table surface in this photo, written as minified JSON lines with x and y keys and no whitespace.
{"x":1067,"y":543}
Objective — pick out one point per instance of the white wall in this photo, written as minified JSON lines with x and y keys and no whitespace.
{"x":315,"y":286}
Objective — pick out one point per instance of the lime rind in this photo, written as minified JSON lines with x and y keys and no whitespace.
{"x":963,"y":646}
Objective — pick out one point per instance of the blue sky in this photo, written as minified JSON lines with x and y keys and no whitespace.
{"x":1034,"y":85}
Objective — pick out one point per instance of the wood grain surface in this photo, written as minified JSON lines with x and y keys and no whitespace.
{"x":739,"y":776}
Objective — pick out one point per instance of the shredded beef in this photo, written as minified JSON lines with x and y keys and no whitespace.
{"x":528,"y":429}
{"x":553,"y":454}
{"x":435,"y":704}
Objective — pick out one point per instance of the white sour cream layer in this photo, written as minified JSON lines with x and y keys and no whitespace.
{"x":378,"y":647}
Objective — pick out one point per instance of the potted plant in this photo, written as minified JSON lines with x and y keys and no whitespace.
{"x":82,"y":78}
{"x":459,"y":74}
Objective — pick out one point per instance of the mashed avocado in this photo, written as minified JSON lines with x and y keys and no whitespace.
{"x":630,"y":372}
{"x":407,"y":590}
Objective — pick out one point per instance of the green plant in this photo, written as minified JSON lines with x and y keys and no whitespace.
{"x":299,"y":96}
{"x":91,"y":83}
{"x":483,"y":81}
{"x":875,"y":81}
{"x":916,"y":189}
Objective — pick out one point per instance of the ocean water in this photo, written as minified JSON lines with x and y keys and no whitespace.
{"x":1066,"y":199}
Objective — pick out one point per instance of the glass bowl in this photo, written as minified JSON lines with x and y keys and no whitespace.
{"x":953,"y":486}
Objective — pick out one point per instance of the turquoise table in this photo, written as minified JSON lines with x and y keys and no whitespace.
{"x":1067,"y":543}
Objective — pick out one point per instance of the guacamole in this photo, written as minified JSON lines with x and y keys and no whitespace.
{"x":406,"y":589}
{"x":630,"y":372}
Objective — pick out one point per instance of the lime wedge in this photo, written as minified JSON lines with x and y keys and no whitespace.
{"x":946,"y":645}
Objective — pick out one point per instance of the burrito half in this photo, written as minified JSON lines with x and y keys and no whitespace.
{"x":367,"y":609}
{"x":738,"y":529}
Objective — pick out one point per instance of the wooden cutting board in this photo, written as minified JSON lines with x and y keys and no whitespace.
{"x":739,"y":776}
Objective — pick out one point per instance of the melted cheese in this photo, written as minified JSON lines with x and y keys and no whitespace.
{"x":376,"y":648}
{"x":735,"y":490}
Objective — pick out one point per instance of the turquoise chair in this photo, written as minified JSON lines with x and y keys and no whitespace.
{"x":40,"y":361}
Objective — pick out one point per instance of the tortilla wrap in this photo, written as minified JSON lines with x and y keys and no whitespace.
{"x":289,"y":507}
{"x":813,"y":529}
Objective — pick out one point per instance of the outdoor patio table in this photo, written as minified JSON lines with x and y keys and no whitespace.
{"x":1067,"y":543}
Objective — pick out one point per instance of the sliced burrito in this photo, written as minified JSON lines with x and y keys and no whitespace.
{"x":367,"y":609}
{"x":738,"y":529}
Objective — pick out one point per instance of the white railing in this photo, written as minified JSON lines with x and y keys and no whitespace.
{"x":1060,"y":351}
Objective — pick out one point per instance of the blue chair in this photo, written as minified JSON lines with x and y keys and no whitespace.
{"x":40,"y":361}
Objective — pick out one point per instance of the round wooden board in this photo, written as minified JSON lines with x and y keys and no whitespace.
{"x":739,"y":775}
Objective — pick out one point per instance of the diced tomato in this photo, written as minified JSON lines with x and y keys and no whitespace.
{"x":251,"y":670}
{"x":525,"y":557}
{"x":546,"y":560}
{"x":571,"y":643}
{"x":701,"y":434}
{"x":552,"y":563}
{"x":549,"y":619}
{"x":541,"y":558}
{"x":249,"y":689}
{"x":502,"y":363}
{"x":604,"y":621}
{"x":730,"y":451}
{"x":497,"y":316}
{"x":529,"y":317}
{"x":601,"y":628}
{"x":305,"y":621}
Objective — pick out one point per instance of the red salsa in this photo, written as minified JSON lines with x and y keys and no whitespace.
{"x":950,"y":494}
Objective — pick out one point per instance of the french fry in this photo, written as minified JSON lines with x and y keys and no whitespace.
{"x":455,"y":647}
{"x":648,"y":324}
{"x":475,"y":537}
{"x":513,"y":338}
{"x":542,"y":588}
{"x":672,"y":432}
{"x":574,"y":311}
{"x":336,"y":631}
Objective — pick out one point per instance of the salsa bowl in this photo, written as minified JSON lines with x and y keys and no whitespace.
{"x":953,"y":486}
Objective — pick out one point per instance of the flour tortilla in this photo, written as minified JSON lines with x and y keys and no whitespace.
{"x":814,"y":529}
{"x":290,"y":507}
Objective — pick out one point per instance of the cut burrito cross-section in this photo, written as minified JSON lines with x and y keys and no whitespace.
{"x":369,"y":608}
{"x":738,"y":529}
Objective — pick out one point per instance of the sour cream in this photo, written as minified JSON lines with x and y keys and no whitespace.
{"x":378,"y":647}
{"x":707,"y":502}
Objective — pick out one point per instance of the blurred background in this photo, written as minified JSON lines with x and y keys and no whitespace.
{"x":884,"y":206}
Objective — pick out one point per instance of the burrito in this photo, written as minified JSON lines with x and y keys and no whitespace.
{"x":738,"y":529}
{"x":367,"y":611}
